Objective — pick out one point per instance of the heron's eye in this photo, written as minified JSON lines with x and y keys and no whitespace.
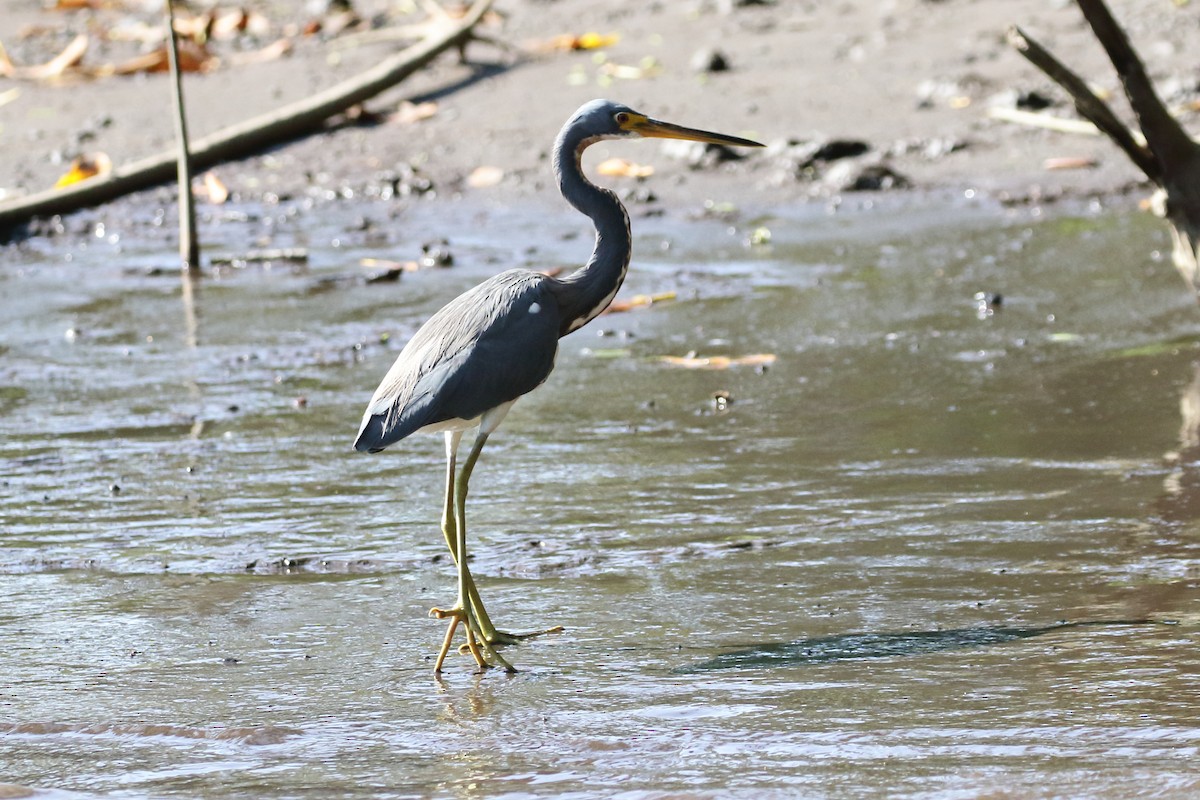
{"x":621,"y":118}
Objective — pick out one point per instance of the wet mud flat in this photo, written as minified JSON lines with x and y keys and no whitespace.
{"x":942,"y":543}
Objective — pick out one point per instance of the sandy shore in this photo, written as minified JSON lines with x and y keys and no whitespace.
{"x":913,"y":80}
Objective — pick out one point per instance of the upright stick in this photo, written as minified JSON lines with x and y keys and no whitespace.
{"x":189,"y":247}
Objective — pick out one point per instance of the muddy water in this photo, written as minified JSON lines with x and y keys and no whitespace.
{"x":930,"y":552}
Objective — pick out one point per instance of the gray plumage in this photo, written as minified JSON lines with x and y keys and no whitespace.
{"x":458,"y":364}
{"x":485,"y":348}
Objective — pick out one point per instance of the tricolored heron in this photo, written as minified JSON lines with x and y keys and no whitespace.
{"x":466,"y":366}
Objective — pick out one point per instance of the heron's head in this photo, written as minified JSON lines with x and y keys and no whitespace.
{"x":604,"y":119}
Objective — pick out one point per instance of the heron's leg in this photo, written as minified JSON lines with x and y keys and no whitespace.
{"x":454,"y":519}
{"x":464,"y":609}
{"x":449,"y":531}
{"x":468,"y":595}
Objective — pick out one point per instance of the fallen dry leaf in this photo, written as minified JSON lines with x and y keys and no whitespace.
{"x":1069,"y":162}
{"x":648,"y":67}
{"x":719,"y":362}
{"x":483,"y":177}
{"x":410,"y":112}
{"x":584,"y":41}
{"x":193,"y":57}
{"x":78,"y":5}
{"x":621,"y":168}
{"x":54,"y":68}
{"x":197,"y":27}
{"x":231,"y":22}
{"x":83,"y":167}
{"x":276,"y":49}
{"x":637,"y":301}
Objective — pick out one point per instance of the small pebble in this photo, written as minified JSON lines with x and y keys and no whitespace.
{"x":709,"y":60}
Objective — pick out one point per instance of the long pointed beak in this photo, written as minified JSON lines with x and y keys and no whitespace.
{"x":657,"y":129}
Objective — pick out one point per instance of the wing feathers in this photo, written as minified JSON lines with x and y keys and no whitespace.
{"x":487,"y":347}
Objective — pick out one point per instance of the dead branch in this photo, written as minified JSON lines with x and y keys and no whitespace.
{"x":1167,"y":140}
{"x":1169,"y":157}
{"x":1089,"y":106}
{"x":252,"y":135}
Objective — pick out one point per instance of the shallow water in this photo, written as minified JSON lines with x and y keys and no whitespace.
{"x":929,"y":552}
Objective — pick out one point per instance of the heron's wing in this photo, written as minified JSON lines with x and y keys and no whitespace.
{"x":487,"y":347}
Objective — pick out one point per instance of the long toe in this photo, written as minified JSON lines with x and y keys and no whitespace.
{"x":504,"y":637}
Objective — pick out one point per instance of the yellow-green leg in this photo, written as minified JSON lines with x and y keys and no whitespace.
{"x":464,"y":609}
{"x":487,"y":630}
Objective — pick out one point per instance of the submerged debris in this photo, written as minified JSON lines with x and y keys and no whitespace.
{"x":295,"y":255}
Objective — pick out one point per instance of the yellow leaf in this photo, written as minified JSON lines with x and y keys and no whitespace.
{"x":584,"y":41}
{"x":594,"y":41}
{"x":84,"y":167}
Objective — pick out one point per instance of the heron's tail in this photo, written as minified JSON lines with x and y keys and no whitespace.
{"x":372,"y":435}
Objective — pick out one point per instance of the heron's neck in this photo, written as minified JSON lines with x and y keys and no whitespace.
{"x":588,"y":290}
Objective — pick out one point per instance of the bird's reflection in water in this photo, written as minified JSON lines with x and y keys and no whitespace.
{"x":1180,"y":501}
{"x":856,"y":646}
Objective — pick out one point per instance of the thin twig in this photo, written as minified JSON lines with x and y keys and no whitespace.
{"x":189,"y":244}
{"x":1036,"y":119}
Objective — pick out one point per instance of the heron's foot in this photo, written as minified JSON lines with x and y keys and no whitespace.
{"x":503,"y":637}
{"x":480,"y":648}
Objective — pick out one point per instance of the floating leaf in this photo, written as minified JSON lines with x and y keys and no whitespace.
{"x":482,"y":177}
{"x":84,"y":167}
{"x":760,"y":236}
{"x":608,"y":352}
{"x":719,"y":362}
{"x":213,"y":189}
{"x":388,"y":264}
{"x":621,"y":168}
{"x":638,"y":300}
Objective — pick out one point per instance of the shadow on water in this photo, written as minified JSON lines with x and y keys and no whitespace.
{"x":857,"y":646}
